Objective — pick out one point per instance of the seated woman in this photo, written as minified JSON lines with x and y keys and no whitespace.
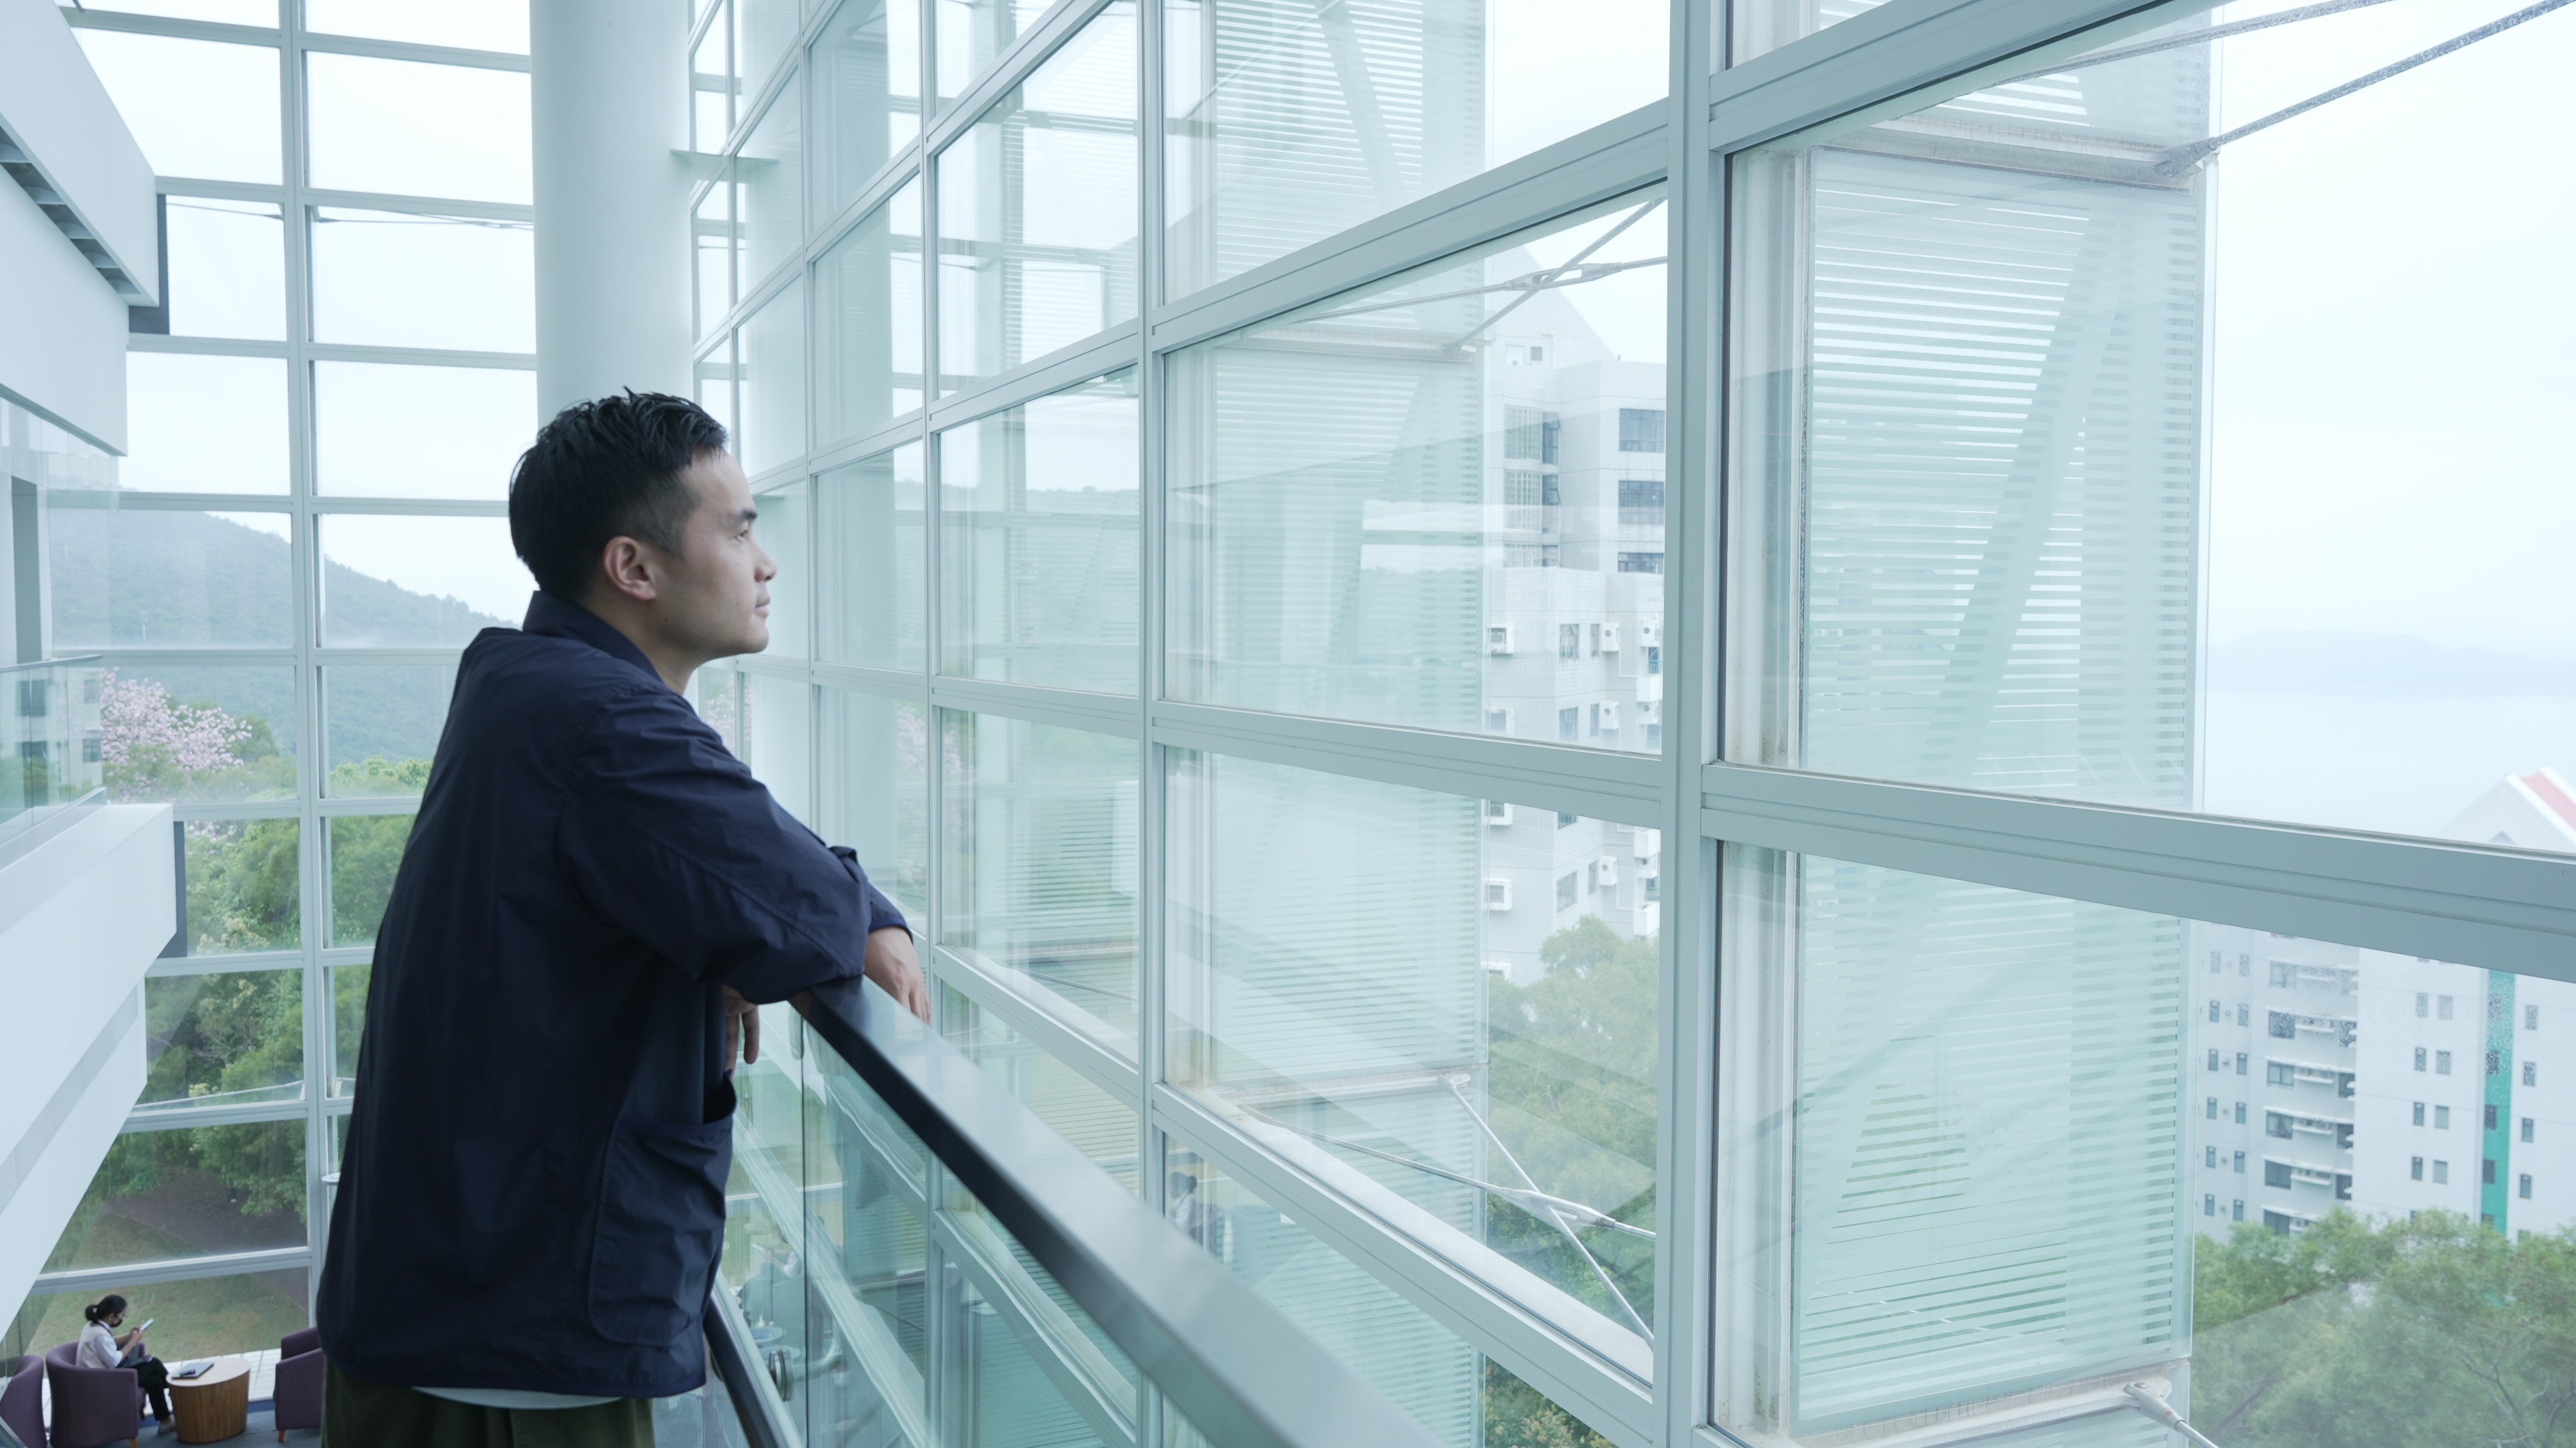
{"x":100,"y":1347}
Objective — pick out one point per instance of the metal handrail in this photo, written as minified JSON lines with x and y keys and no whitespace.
{"x":54,"y":663}
{"x":1244,"y":1374}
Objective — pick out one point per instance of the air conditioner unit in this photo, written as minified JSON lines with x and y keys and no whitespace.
{"x":1498,"y":813}
{"x":1608,"y":870}
{"x":1498,"y":639}
{"x":1609,"y":638}
{"x":1610,"y":715}
{"x":1498,"y":895}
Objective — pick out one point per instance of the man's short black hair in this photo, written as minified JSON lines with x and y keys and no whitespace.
{"x":603,"y":470}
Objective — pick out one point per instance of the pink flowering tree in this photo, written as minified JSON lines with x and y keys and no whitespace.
{"x":157,"y":748}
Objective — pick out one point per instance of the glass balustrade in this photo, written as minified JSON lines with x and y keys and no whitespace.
{"x":50,"y":741}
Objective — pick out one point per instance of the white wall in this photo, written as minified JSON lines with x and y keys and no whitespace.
{"x":82,"y":916}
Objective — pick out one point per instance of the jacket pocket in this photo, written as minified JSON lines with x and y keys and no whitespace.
{"x":661,"y":1220}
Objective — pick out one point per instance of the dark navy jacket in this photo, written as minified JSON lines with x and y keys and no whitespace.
{"x":532,"y":1195}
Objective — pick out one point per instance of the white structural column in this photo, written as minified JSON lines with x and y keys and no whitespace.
{"x":610,"y":93}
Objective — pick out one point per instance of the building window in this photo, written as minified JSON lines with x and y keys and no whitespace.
{"x":2242,"y":1060}
{"x":2491,"y":1116}
{"x":2423,"y":1003}
{"x":2209,"y":1157}
{"x":2531,"y":1073}
{"x":1567,"y":890}
{"x":2419,"y":1058}
{"x":2524,"y":1190}
{"x":1498,"y":813}
{"x":2441,"y":1063}
{"x":2283,"y":1025}
{"x":2213,"y":1011}
{"x":2526,"y":1128}
{"x":2244,"y":966}
{"x":2280,"y":1073}
{"x":1524,"y":433}
{"x":2419,"y":1113}
{"x":2531,"y":1018}
{"x":2343,"y":1186}
{"x":1498,"y":895}
{"x":2239,"y":1213}
{"x":1641,"y":563}
{"x":1564,"y":820}
{"x":2441,"y":1173}
{"x":2276,"y":1124}
{"x":1569,"y":641}
{"x":2276,"y":1173}
{"x":2415,"y":1167}
{"x":2209,"y":1204}
{"x":2442,"y":1007}
{"x":2279,"y":971}
{"x":2279,"y":1222}
{"x":2213,"y":1058}
{"x":2495,"y":1063}
{"x":2441,"y":1118}
{"x":1641,"y":429}
{"x":1646,"y":493}
{"x":1498,"y":721}
{"x":2214,"y":959}
{"x":2240,"y":1163}
{"x":2486,"y":1171}
{"x":2240,"y":1113}
{"x":2213,"y":1108}
{"x":2244,"y":1014}
{"x":1569,"y":725}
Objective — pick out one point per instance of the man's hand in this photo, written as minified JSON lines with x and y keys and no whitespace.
{"x":742,"y":1029}
{"x":891,"y":963}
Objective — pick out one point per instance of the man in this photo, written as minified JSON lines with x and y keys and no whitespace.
{"x":594,"y":896}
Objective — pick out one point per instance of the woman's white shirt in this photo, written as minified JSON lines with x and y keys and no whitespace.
{"x":98,"y":1347}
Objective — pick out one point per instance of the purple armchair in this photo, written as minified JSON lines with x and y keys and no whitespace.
{"x":21,"y":1400}
{"x":93,"y":1407}
{"x":299,"y":1382}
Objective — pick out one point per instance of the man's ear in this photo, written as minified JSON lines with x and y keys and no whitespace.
{"x":630,"y":569}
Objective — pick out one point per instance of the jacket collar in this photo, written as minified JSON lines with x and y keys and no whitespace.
{"x":556,"y":618}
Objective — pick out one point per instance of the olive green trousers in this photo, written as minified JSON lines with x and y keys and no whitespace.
{"x":360,"y":1414}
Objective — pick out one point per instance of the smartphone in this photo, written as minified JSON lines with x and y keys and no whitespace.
{"x":147,"y":1323}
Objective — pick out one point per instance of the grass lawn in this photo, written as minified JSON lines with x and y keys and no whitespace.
{"x":206,"y":1317}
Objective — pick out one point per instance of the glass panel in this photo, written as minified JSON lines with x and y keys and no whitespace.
{"x":161,"y":1195}
{"x":763,"y":1263}
{"x":146,"y":578}
{"x":380,"y":727}
{"x":778,"y":738}
{"x":348,"y":1025}
{"x":390,"y":581}
{"x":715,"y":388}
{"x":223,"y":1040}
{"x":365,"y":852}
{"x":1038,"y":541}
{"x":973,"y":34}
{"x":222,"y":12}
{"x":242,"y":882}
{"x":785,"y":533}
{"x":711,"y":223}
{"x":876,"y":792}
{"x":1101,"y":1125}
{"x":1460,"y":1397}
{"x":392,"y":279}
{"x":1437,"y":502}
{"x":196,"y":732}
{"x":201,"y":1317}
{"x":227,"y":269}
{"x":1037,"y":208}
{"x":198,"y":108}
{"x":1040,"y":835}
{"x":868,"y":303}
{"x":404,"y":128}
{"x":866,"y":67}
{"x":869,"y":566}
{"x":1284,"y":128}
{"x":466,"y":24}
{"x":719,"y":702}
{"x":711,"y":89}
{"x":2335,"y":1124}
{"x":764,"y":31}
{"x":773,"y":381}
{"x":205,"y":424}
{"x":1448,"y":1000}
{"x":871,"y":1253}
{"x":383,"y":430}
{"x":771,"y":173}
{"x":2241,"y":607}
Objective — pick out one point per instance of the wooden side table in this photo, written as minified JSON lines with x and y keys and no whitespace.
{"x":215,"y":1404}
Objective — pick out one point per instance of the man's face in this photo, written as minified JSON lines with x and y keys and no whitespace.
{"x":717,"y":599}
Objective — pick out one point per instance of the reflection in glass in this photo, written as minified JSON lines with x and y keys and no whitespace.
{"x":389,"y":430}
{"x":394,"y":581}
{"x":1460,"y":1397}
{"x":973,"y":34}
{"x":204,"y":424}
{"x":1037,"y":208}
{"x":866,"y":69}
{"x":778,"y":739}
{"x":397,"y":279}
{"x":773,"y":381}
{"x":198,"y":1317}
{"x":1038,"y":545}
{"x":763,"y":32}
{"x":871,"y":592}
{"x":223,"y":1040}
{"x":222,"y":12}
{"x":348,"y":1025}
{"x":1099,"y":1124}
{"x":870,"y":1254}
{"x":875,"y":796}
{"x":149,"y":578}
{"x":198,"y":108}
{"x":227,"y":268}
{"x":466,"y":24}
{"x":1450,"y":1000}
{"x":714,"y":378}
{"x":196,"y":1192}
{"x":1756,"y":27}
{"x":404,"y":128}
{"x":1437,"y":502}
{"x":2243,"y":606}
{"x":241,"y":881}
{"x":380,"y":727}
{"x":711,"y":227}
{"x":867,"y":302}
{"x":1040,"y":836}
{"x":770,"y":177}
{"x":365,"y":852}
{"x":711,"y":89}
{"x":1285,"y":126}
{"x":189,"y":732}
{"x":785,"y":533}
